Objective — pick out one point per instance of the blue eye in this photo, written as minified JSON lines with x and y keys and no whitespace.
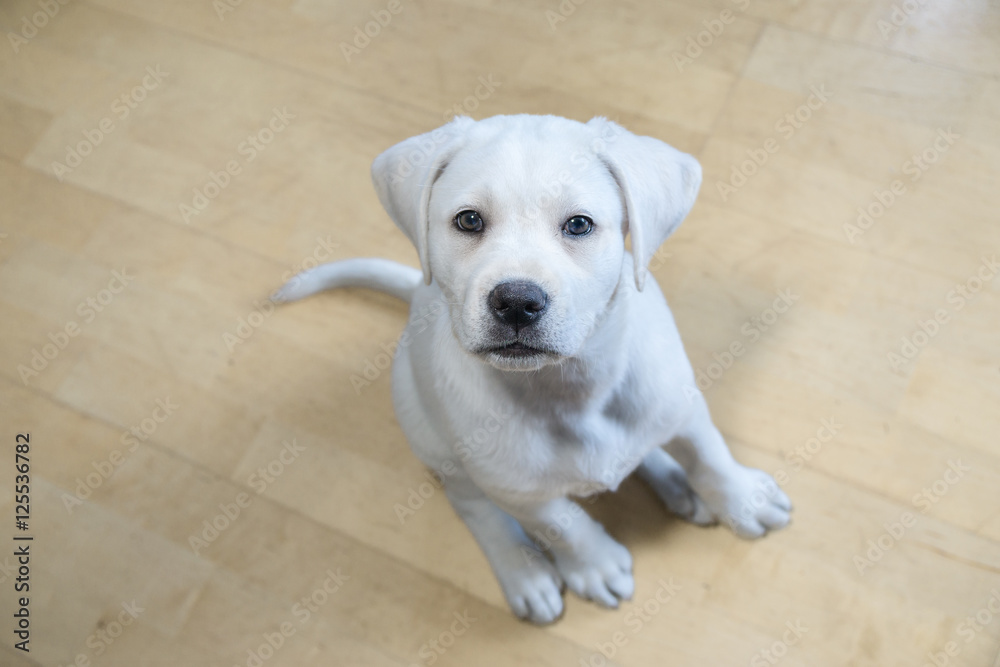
{"x":578,"y":225}
{"x":469,"y":221}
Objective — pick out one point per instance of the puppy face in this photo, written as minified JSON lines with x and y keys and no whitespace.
{"x":526,"y":240}
{"x":521,"y":221}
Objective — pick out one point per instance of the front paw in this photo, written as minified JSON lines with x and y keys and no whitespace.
{"x":532,"y":588}
{"x":598,"y":568}
{"x":747,"y":500}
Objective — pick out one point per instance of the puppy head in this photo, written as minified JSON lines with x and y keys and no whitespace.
{"x":521,"y":220}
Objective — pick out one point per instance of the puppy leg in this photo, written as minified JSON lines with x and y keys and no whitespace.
{"x":528,"y":580}
{"x":668,"y":479}
{"x":749,"y":501}
{"x":591,"y":562}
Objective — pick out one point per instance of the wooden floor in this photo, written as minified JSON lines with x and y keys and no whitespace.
{"x":165,"y":166}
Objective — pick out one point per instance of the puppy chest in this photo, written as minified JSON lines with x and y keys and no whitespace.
{"x":559,"y":458}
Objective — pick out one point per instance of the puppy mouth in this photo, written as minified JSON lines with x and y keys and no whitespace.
{"x":516,"y":350}
{"x":517,"y":356}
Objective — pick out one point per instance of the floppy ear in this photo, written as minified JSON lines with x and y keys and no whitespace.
{"x":405,"y":174}
{"x":659,"y":184}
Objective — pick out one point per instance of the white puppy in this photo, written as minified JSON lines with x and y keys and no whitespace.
{"x":539,"y":362}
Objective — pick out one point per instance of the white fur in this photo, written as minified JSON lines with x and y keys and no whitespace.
{"x":613,"y":392}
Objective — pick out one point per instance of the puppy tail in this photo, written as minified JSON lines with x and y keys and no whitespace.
{"x":377,"y":274}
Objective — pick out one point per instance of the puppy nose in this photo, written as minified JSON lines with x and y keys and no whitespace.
{"x":518,"y":303}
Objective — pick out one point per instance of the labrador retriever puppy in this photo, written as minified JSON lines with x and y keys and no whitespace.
{"x":540,"y":361}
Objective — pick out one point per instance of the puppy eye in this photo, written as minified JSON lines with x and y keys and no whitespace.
{"x":469,"y":221}
{"x":578,"y":225}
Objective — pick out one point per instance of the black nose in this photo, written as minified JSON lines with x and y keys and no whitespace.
{"x":518,"y":303}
